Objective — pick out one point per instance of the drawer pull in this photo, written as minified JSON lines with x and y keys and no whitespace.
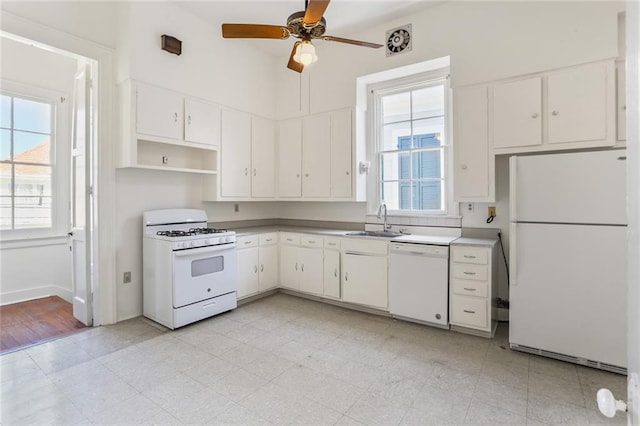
{"x":268,"y":239}
{"x":470,"y":289}
{"x":255,"y":269}
{"x":247,"y":242}
{"x":468,"y":256}
{"x":289,"y":239}
{"x":261,"y":268}
{"x":331,"y":244}
{"x":312,"y":241}
{"x":469,"y":312}
{"x":469,"y":273}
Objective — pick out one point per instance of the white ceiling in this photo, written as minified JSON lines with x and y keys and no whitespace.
{"x":344,"y":17}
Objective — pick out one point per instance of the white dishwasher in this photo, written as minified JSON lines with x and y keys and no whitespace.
{"x":419,"y":283}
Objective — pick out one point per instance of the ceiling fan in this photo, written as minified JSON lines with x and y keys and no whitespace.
{"x":305,"y":25}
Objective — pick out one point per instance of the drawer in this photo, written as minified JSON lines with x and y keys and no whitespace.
{"x":468,"y":271}
{"x":470,"y":288}
{"x":289,"y":238}
{"x":470,"y":255}
{"x":268,"y":239}
{"x":247,"y":241}
{"x":332,"y":243}
{"x":312,"y":241}
{"x":469,"y":311}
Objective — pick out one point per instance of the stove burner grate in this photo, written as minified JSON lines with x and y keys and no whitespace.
{"x":191,"y":231}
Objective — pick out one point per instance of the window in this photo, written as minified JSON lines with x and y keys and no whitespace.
{"x":27,"y":131}
{"x":412,"y":148}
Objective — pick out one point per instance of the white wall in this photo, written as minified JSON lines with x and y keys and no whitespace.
{"x":485,"y":40}
{"x":20,"y":280}
{"x":323,"y":211}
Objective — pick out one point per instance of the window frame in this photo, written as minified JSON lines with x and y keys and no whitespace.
{"x":375,"y":92}
{"x":59,"y":160}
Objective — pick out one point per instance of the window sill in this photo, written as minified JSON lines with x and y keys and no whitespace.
{"x":16,"y":242}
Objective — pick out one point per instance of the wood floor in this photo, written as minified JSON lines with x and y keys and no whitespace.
{"x":35,"y":321}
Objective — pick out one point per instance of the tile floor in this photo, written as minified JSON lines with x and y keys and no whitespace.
{"x":286,"y":360}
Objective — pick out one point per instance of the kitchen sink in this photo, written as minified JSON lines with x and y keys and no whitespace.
{"x":379,"y":234}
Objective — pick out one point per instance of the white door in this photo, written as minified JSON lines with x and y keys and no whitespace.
{"x":263,"y":147}
{"x":202,"y":122}
{"x":81,"y":197}
{"x":365,"y":280}
{"x":289,"y":267}
{"x":235,"y":154}
{"x":517,"y":113}
{"x":311,"y":270}
{"x":290,"y":158}
{"x":332,"y":273}
{"x":247,"y":272}
{"x":341,"y":153}
{"x":315,"y":156}
{"x":159,"y":112}
{"x":268,"y":267}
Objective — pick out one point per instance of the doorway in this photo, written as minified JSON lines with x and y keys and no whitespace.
{"x":47,"y":240}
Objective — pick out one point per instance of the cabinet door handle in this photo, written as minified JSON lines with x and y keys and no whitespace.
{"x":470,"y":289}
{"x":346,"y":276}
{"x":469,"y":273}
{"x":254,"y":172}
{"x":261,"y":268}
{"x":175,"y":117}
{"x":306,"y":175}
{"x":347,"y":172}
{"x":296,"y":266}
{"x":246,"y":171}
{"x":188,"y":119}
{"x":302,"y":267}
{"x":534,"y":115}
{"x":463,"y":166}
{"x":555,"y":112}
{"x":335,"y":272}
{"x":297,"y":175}
{"x":469,"y":312}
{"x":255,"y":269}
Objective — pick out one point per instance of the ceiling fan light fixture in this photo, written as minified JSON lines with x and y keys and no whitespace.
{"x":305,"y":53}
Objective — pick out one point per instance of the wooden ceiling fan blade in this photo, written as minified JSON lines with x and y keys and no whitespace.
{"x":254,"y":31}
{"x":293,"y":65}
{"x":354,"y":42}
{"x":315,"y":11}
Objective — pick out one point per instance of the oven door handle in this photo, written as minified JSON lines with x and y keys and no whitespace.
{"x":204,"y":250}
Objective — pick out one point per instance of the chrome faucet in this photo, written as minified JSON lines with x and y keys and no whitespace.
{"x":385,"y":225}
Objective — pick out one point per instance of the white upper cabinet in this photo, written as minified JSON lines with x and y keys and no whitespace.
{"x":290,"y":158}
{"x":577,"y":103}
{"x":235,"y":154}
{"x":153,"y":133}
{"x":341,"y":158}
{"x":159,"y":112}
{"x":316,"y":158}
{"x":263,"y":157}
{"x":473,"y":162}
{"x":201,"y":122}
{"x":517,"y":113}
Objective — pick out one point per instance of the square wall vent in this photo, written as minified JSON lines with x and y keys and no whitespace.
{"x":399,"y":40}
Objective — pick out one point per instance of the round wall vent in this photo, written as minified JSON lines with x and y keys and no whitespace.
{"x":398,"y":40}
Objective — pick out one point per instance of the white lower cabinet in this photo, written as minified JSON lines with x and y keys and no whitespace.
{"x":473,"y":289}
{"x":301,"y":266}
{"x":248,"y":258}
{"x":310,"y":276}
{"x":332,"y":268}
{"x":364,"y":272}
{"x":257,"y":264}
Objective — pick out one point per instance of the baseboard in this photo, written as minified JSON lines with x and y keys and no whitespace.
{"x":35,"y":293}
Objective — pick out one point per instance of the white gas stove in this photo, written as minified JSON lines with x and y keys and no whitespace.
{"x":189,"y":269}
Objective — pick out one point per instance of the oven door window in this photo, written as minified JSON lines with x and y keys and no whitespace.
{"x":210,"y":265}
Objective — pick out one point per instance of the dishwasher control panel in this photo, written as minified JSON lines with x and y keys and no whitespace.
{"x":419,"y":249}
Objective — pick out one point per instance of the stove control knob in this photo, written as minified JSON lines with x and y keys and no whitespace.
{"x":208,"y":242}
{"x":193,"y":244}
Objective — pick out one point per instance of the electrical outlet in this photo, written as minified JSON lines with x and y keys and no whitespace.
{"x":236,"y":208}
{"x":492,"y":211}
{"x":126,"y":278}
{"x":470,"y":207}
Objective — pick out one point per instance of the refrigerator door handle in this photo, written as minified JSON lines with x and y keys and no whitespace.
{"x":513,"y":254}
{"x":513,"y":171}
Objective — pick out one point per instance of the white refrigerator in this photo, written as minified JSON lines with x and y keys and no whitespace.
{"x":568,"y":257}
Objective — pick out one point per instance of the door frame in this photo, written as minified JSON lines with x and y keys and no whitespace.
{"x":105,"y":307}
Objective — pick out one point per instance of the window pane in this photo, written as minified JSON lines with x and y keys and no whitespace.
{"x":5,"y":112}
{"x":32,"y":212}
{"x":395,"y":166}
{"x":396,"y":107}
{"x":31,"y":148}
{"x":5,"y":145}
{"x":32,"y":180}
{"x":428,"y":102}
{"x":391,"y":195}
{"x":31,"y":115}
{"x":396,"y":136}
{"x":5,"y":212}
{"x":427,"y":164}
{"x":428,"y":132}
{"x":427,"y":195}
